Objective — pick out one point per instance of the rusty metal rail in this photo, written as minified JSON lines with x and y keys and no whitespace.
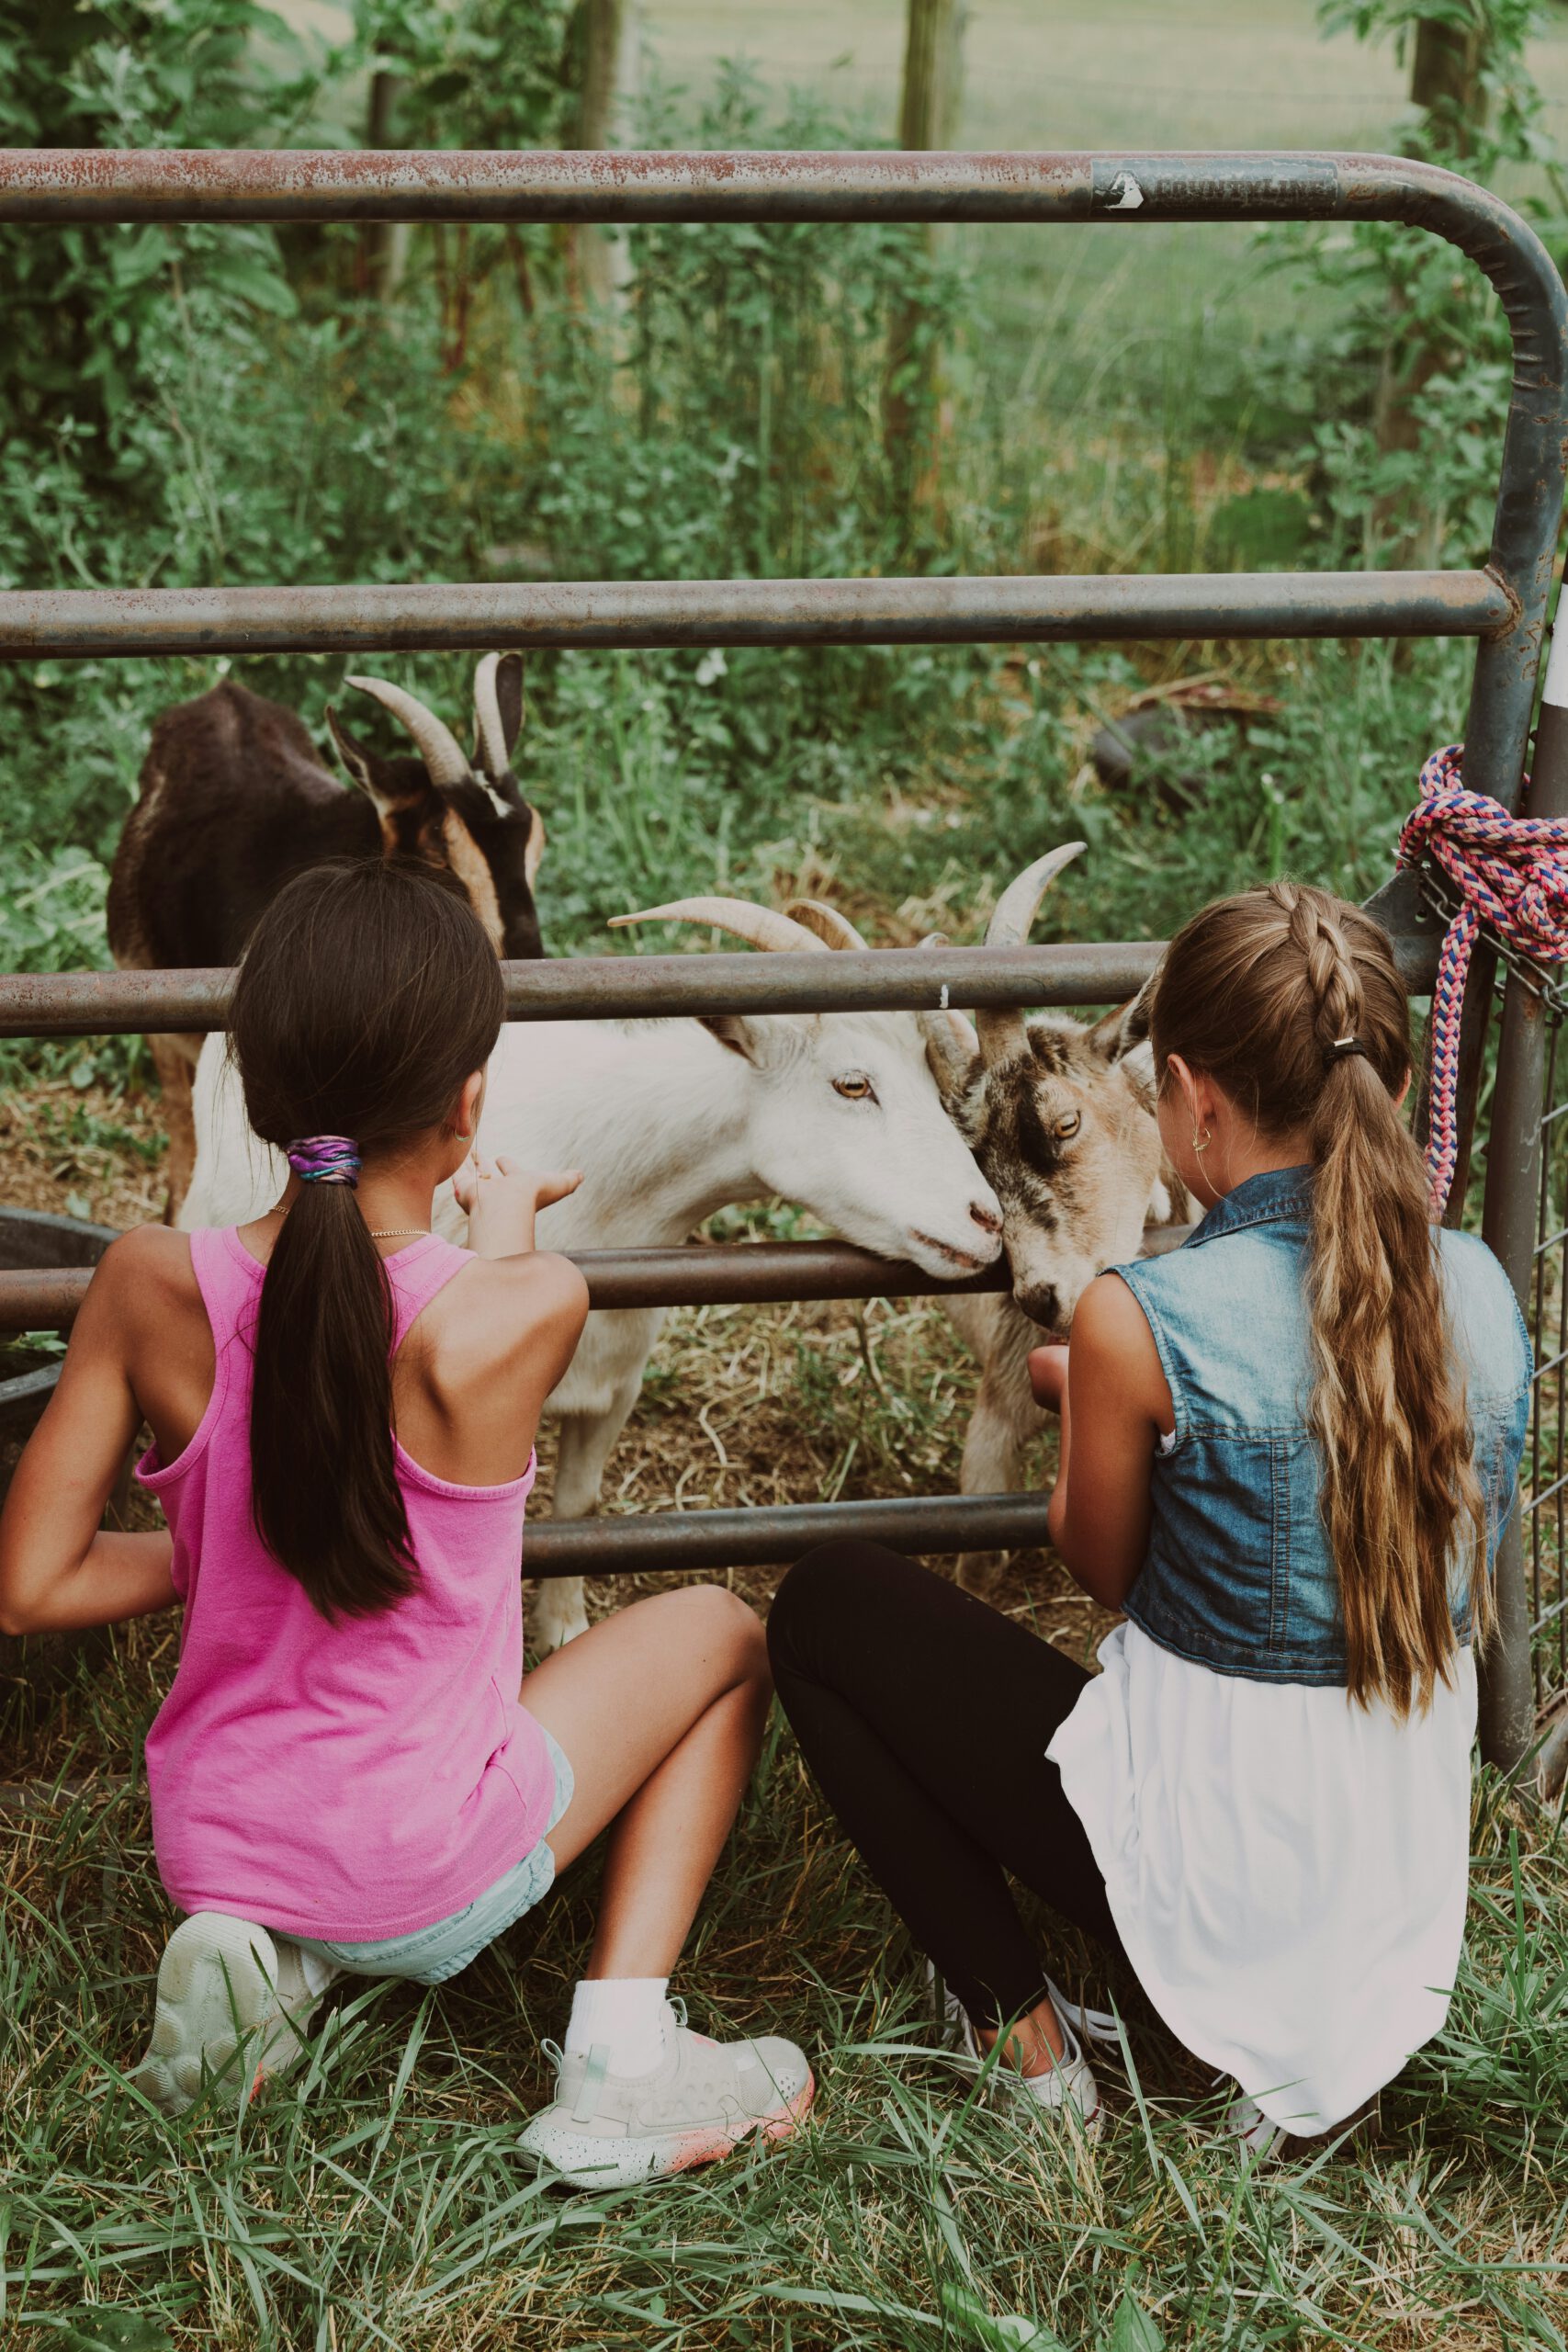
{"x":770,"y":1533}
{"x":1503,"y":607}
{"x":642,"y":987}
{"x":752,"y":612}
{"x":747,"y":1273}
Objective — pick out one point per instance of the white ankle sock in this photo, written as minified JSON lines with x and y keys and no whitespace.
{"x":627,"y":2014}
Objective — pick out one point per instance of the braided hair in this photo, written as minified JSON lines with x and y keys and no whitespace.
{"x":1288,"y":999}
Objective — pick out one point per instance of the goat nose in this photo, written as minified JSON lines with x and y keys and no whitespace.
{"x":987,"y":1219}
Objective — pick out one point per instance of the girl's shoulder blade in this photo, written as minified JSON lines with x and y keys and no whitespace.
{"x":499,"y":1311}
{"x":146,"y":1268}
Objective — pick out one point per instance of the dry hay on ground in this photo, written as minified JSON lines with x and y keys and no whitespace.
{"x":81,"y":1152}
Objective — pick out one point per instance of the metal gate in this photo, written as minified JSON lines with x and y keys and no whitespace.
{"x":1502,"y":607}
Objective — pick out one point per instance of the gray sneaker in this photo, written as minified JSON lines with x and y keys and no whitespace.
{"x":607,"y":2131}
{"x":1258,"y":2136}
{"x":232,"y":2001}
{"x":1067,"y":2082}
{"x":956,"y":2034}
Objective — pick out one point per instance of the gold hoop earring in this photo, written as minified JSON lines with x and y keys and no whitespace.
{"x":1199,"y":1148}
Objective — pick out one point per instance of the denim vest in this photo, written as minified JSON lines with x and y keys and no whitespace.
{"x":1239,"y":1575}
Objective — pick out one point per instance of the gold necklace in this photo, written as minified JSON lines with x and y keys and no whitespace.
{"x":386,"y":1232}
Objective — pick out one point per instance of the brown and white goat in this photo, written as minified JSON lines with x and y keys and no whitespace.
{"x":1059,"y":1114}
{"x":235,"y":800}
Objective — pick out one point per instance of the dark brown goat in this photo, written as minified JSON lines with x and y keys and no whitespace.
{"x":235,"y":800}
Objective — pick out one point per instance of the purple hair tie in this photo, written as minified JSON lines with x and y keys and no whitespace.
{"x":324,"y":1159}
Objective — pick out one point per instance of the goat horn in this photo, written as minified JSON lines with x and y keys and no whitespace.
{"x":1002,"y":1030}
{"x":439,"y":749}
{"x":762,"y":926}
{"x":488,"y":732}
{"x":832,"y":928}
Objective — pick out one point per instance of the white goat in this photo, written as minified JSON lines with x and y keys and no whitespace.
{"x":671,"y":1120}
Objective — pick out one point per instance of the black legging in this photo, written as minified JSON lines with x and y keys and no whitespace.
{"x":925,"y":1716}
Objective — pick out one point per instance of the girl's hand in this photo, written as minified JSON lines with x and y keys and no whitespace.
{"x":502,"y":1199}
{"x":540,"y":1188}
{"x":1048,"y":1376}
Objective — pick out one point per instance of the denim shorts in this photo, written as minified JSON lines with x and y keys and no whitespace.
{"x":430,"y":1955}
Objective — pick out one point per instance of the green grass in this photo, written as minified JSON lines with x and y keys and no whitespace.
{"x":376,"y":2199}
{"x":1078,"y":304}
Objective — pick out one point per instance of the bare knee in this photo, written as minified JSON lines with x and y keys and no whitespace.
{"x":726,"y":1628}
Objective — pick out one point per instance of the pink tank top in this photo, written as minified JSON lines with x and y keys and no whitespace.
{"x":347,"y":1782}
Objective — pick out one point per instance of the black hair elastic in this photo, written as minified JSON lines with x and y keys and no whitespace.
{"x":1341,"y":1046}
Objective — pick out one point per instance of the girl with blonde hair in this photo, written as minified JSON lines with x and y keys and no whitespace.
{"x":1287,"y":1450}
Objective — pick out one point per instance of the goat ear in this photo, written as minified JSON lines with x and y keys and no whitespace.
{"x":951,"y":1042}
{"x":534,"y":852}
{"x":1122,"y":1032}
{"x":743,"y":1034}
{"x":951,"y":1051}
{"x":368,"y":772}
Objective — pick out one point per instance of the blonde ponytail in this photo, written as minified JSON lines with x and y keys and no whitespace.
{"x":1289,"y":1000}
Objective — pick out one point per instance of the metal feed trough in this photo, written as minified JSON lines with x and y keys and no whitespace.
{"x":1502,"y":607}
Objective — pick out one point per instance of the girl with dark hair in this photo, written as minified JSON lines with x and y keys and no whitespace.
{"x":351,"y":1774}
{"x":1287,"y":1450}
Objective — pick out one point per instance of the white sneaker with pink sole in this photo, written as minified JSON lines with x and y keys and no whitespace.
{"x":609,"y":2131}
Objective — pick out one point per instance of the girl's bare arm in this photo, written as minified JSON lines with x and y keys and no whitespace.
{"x":1114,"y":1403}
{"x":490,"y":1350}
{"x":57,"y":1570}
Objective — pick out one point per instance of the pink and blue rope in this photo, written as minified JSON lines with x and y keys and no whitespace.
{"x":1510,"y":872}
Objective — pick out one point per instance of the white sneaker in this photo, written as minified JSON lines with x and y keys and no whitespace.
{"x":1067,"y":2082}
{"x":1267,"y":2140}
{"x":953,"y":2018}
{"x":227,"y":1992}
{"x":1259,"y":2136}
{"x":607,"y":2131}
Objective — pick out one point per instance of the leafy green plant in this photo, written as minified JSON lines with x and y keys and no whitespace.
{"x":1416,"y":362}
{"x":90,"y":308}
{"x":470,"y":72}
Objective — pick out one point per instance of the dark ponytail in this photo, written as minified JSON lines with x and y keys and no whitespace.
{"x":367,"y":994}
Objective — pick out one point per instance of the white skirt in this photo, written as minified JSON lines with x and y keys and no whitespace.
{"x":1288,"y":1871}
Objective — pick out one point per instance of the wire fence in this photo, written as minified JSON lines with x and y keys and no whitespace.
{"x":1545,"y":1498}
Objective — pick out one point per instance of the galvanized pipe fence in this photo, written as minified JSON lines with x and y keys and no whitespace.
{"x":1502,"y":607}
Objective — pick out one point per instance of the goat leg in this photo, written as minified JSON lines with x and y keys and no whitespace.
{"x":174,"y":1059}
{"x":561,"y":1610}
{"x":1005,"y":1422}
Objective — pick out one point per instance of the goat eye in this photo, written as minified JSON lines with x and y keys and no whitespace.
{"x":855,"y":1087}
{"x":1068,"y":1127}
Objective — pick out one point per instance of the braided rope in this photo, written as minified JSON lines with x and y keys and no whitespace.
{"x":1510,"y":872}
